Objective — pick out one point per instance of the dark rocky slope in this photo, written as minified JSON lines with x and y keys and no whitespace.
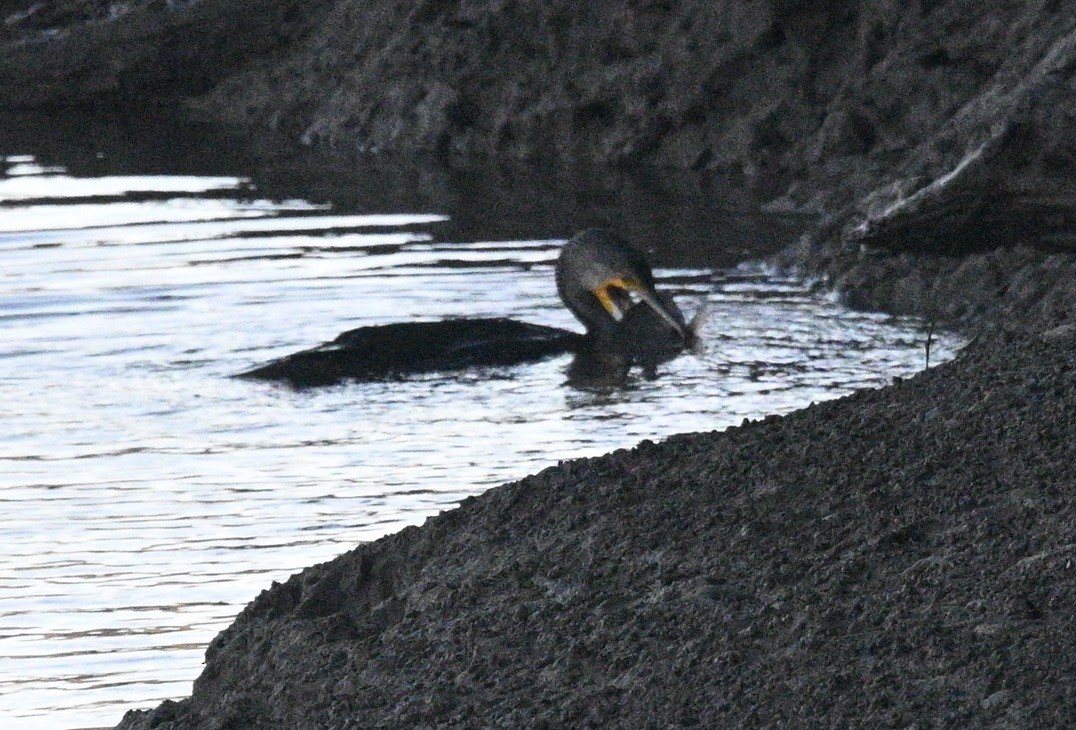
{"x":97,"y":53}
{"x":892,"y":559}
{"x":944,"y":127}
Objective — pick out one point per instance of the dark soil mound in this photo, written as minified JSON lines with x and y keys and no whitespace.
{"x":897,"y":557}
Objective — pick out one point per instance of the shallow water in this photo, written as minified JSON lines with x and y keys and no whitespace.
{"x":145,"y":497}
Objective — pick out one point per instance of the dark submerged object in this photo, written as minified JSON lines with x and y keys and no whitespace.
{"x":382,"y":351}
{"x":608,"y":286}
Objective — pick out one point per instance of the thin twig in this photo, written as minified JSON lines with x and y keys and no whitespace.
{"x":930,"y":339}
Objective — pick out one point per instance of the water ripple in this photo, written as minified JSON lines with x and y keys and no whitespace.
{"x":146,"y":497}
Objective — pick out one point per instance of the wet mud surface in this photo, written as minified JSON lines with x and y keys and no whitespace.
{"x":893,"y":557}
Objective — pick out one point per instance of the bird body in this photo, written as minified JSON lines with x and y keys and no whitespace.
{"x":398,"y":349}
{"x":607,"y":285}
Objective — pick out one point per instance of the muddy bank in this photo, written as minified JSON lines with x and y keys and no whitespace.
{"x":101,"y":54}
{"x":895,"y":557}
{"x":944,"y":128}
{"x":892,"y":558}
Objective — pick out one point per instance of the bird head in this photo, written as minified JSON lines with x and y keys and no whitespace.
{"x":600,"y":279}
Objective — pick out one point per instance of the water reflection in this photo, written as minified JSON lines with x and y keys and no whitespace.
{"x":146,"y":497}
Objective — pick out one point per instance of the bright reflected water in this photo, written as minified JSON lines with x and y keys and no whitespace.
{"x":145,"y":497}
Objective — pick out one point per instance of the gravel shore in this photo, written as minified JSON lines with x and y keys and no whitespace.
{"x":900,"y":557}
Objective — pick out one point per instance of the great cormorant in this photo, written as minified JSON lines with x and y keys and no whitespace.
{"x":608,"y":286}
